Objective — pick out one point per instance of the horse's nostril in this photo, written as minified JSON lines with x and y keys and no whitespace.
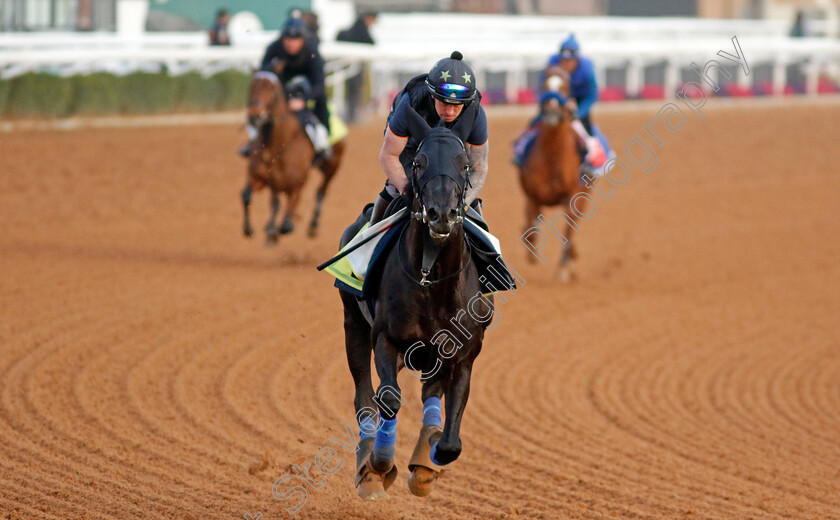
{"x":432,"y":214}
{"x":453,"y":214}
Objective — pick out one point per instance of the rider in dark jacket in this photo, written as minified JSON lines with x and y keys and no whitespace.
{"x":447,"y":92}
{"x":292,"y":55}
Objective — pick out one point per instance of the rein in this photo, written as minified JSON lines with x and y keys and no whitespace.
{"x":429,"y":257}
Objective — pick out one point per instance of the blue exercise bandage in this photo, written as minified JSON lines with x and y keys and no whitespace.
{"x":431,"y":412}
{"x":386,"y":439}
{"x":367,"y":428}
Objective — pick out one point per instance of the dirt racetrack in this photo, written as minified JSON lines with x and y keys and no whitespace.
{"x":155,"y":364}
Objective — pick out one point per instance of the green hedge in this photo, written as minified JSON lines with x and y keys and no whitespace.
{"x":45,"y":95}
{"x":4,"y":95}
{"x":37,"y":94}
{"x":148,"y":93}
{"x":96,"y":94}
{"x":233,"y":87}
{"x":196,"y":93}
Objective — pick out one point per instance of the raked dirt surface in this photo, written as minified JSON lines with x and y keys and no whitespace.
{"x":154,"y":364}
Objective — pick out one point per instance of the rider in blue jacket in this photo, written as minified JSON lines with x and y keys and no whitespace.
{"x":584,"y":94}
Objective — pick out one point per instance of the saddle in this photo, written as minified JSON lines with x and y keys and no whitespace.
{"x":359,"y":272}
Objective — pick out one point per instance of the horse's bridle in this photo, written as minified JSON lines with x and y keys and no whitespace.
{"x":561,"y":100}
{"x":418,"y":185}
{"x":264,"y":117}
{"x":432,"y":250}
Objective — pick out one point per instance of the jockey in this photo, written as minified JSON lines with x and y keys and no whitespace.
{"x":292,"y":55}
{"x":584,"y":94}
{"x":447,"y":93}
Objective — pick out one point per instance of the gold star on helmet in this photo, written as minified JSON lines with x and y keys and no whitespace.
{"x":444,"y":75}
{"x":466,"y":77}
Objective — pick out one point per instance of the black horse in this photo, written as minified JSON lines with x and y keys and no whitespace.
{"x":429,"y":314}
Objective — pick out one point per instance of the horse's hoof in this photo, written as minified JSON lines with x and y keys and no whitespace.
{"x":312,"y":232}
{"x":389,"y":478}
{"x":532,"y":259}
{"x":371,"y":487}
{"x":420,"y":481}
{"x":287,"y":227}
{"x":247,"y":232}
{"x":424,"y":472}
{"x":271,"y":240}
{"x":565,"y":275}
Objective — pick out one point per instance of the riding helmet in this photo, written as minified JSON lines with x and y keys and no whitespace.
{"x":452,"y":80}
{"x":294,"y":28}
{"x":570,"y":47}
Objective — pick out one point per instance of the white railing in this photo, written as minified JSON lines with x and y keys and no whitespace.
{"x":508,"y":46}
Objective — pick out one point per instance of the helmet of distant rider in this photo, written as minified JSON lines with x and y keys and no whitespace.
{"x":570,"y":47}
{"x":293,"y":28}
{"x":452,"y":80}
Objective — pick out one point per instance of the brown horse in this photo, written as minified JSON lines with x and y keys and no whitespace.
{"x":280,"y":158}
{"x":550,"y":174}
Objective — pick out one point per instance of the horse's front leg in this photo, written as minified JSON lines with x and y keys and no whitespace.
{"x":424,"y":472}
{"x":448,"y":447}
{"x":375,"y":469}
{"x":388,"y":399}
{"x":357,"y":343}
{"x":271,"y":232}
{"x":245,"y":195}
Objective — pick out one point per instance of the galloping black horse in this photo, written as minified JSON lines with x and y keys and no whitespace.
{"x":428,"y":280}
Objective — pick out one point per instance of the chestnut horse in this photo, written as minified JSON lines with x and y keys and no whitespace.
{"x":280,"y":158}
{"x":550,"y":175}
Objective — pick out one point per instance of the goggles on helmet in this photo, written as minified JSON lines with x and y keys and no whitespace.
{"x":453,"y":93}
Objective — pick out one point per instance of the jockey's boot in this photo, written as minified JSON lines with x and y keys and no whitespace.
{"x":379,"y":208}
{"x":595,"y":154}
{"x":320,"y":138}
{"x":523,"y":143}
{"x":245,"y":151}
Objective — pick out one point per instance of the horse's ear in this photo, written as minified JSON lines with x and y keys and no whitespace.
{"x":416,"y":124}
